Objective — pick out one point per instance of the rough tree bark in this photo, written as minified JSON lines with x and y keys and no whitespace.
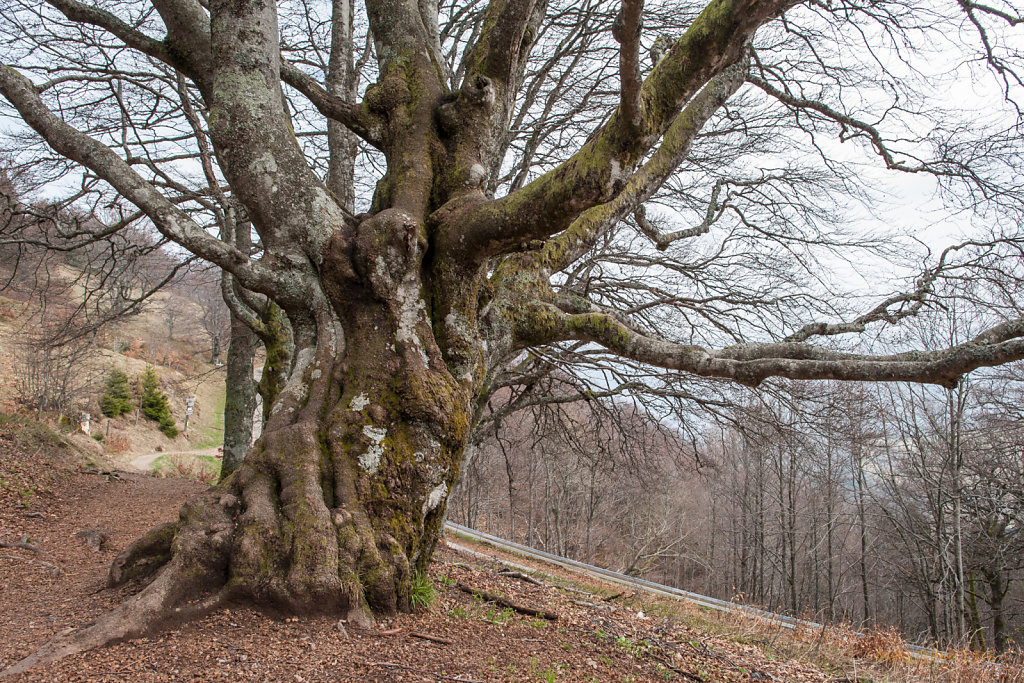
{"x":397,"y":315}
{"x":240,"y":396}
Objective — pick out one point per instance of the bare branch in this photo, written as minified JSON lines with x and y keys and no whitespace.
{"x":170,"y":220}
{"x":843,"y":119}
{"x":80,"y":12}
{"x":627,"y":28}
{"x":998,"y":64}
{"x":902,"y":305}
{"x":752,"y":363}
{"x":186,"y":19}
{"x":663,"y":240}
{"x":334,"y":108}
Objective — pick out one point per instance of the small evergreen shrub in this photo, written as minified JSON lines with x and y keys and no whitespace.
{"x":117,"y":395}
{"x":154,"y":403}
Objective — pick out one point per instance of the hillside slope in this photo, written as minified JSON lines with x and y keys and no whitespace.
{"x":179,"y":354}
{"x":55,"y":581}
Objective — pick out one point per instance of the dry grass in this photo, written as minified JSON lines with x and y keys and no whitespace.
{"x":192,"y":467}
{"x":119,"y":443}
{"x":965,"y":666}
{"x":883,"y":645}
{"x":878,"y":656}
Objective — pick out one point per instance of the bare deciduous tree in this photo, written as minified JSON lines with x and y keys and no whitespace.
{"x":402,"y":316}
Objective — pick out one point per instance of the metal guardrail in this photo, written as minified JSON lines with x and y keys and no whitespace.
{"x":916,"y":651}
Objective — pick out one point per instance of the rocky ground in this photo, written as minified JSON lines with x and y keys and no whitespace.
{"x":62,"y":522}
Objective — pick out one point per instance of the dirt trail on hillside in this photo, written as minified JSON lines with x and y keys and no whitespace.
{"x":144,"y":463}
{"x":460,"y":638}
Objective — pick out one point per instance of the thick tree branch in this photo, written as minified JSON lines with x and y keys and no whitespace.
{"x":288,"y":204}
{"x":564,"y":249}
{"x":171,"y":221}
{"x":496,"y":54}
{"x":752,"y":363}
{"x":188,"y":36}
{"x":600,"y":170}
{"x":627,"y":28}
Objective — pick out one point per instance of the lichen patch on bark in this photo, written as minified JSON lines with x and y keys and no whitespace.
{"x":370,"y":460}
{"x":436,"y":496}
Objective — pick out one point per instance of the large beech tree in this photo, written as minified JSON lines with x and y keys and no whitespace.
{"x":402,"y":317}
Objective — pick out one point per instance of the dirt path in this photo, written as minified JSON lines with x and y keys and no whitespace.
{"x":63,"y":587}
{"x":144,"y":463}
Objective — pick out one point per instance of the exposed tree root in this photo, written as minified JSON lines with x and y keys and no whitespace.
{"x":264,"y":537}
{"x":154,"y":606}
{"x":318,"y":519}
{"x":504,"y":602}
{"x":198,"y":546}
{"x":144,"y":556}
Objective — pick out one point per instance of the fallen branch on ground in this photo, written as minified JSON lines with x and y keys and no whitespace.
{"x":519,"y":575}
{"x":503,"y":602}
{"x":593,"y":605}
{"x":433,"y":639}
{"x":25,"y":545}
{"x":577,"y":591}
{"x":109,"y":474}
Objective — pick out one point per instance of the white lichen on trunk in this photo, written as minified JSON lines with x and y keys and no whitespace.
{"x":370,"y":460}
{"x":436,"y":496}
{"x":411,"y":309}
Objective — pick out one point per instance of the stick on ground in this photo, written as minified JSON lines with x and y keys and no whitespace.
{"x":433,"y":639}
{"x":504,"y":602}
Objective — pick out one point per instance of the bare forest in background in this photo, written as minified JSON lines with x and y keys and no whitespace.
{"x":871,"y":505}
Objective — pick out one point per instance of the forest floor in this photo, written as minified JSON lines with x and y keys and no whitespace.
{"x":64,"y":518}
